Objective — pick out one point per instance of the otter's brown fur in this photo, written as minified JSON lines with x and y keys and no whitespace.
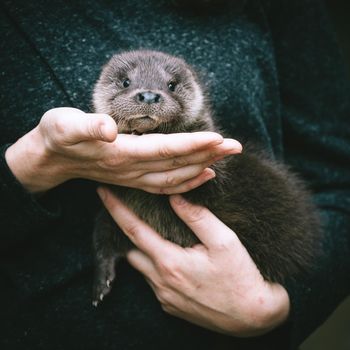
{"x":265,"y":204}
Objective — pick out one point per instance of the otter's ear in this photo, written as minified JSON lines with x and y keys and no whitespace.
{"x":118,"y":66}
{"x":196,"y":76}
{"x":123,"y":62}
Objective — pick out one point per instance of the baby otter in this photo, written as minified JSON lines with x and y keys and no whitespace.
{"x":258,"y":198}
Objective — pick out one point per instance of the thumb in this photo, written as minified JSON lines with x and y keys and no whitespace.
{"x":102,"y":127}
{"x":71,"y":126}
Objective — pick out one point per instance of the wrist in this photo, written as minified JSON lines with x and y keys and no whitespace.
{"x":269,"y":308}
{"x":264,"y":309}
{"x":33,"y":164}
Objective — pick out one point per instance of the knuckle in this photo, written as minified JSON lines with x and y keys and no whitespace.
{"x":164,"y":266}
{"x":212,"y":155}
{"x":162,"y":190}
{"x":167,"y":190}
{"x":47,"y":137}
{"x":225,"y":245}
{"x":221,"y":246}
{"x":171,"y":272}
{"x":171,"y":180}
{"x":164,"y":152}
{"x":50,"y":115}
{"x":179,"y":162}
{"x":54,"y":131}
{"x":163,"y":296}
{"x":59,"y":126}
{"x":196,"y":214}
{"x":102,"y":163}
{"x":131,"y":229}
{"x":57,"y":131}
{"x":108,"y":162}
{"x":167,"y":266}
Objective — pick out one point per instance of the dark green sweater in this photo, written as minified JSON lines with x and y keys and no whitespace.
{"x":275,"y":77}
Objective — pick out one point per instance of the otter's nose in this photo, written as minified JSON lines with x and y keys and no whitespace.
{"x":148,"y":97}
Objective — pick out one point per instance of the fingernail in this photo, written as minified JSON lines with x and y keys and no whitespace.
{"x":177,"y":199}
{"x":237,"y":146}
{"x":102,"y":193}
{"x":211,"y":175}
{"x":232,"y":147}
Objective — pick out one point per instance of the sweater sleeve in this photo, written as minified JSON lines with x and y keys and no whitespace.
{"x":314,"y":88}
{"x":21,"y":214}
{"x":28,"y":88}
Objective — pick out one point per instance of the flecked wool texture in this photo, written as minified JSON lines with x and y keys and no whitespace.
{"x":275,"y":77}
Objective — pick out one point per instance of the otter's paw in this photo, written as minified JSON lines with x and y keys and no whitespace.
{"x":104,"y":276}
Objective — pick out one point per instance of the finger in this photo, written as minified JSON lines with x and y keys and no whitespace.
{"x":141,"y":234}
{"x":161,"y":146}
{"x":144,"y":264}
{"x":70,"y":126}
{"x":227,"y":147}
{"x":172,"y":177}
{"x":104,"y":126}
{"x":93,"y":127}
{"x":186,"y":186}
{"x":211,"y":231}
{"x":141,"y":262}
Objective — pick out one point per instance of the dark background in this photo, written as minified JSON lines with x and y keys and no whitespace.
{"x":335,"y":333}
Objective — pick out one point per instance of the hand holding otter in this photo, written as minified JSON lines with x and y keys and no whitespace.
{"x":69,"y":143}
{"x":215,"y":284}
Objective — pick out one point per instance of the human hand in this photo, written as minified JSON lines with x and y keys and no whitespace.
{"x":69,"y":143}
{"x":215,"y":284}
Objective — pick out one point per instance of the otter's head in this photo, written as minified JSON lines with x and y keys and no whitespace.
{"x":150,"y":91}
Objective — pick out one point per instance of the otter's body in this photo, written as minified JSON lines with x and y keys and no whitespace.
{"x":258,"y":198}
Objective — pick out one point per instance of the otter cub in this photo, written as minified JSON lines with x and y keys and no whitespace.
{"x":266,"y":205}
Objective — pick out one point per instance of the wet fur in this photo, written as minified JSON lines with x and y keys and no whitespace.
{"x":260,"y":199}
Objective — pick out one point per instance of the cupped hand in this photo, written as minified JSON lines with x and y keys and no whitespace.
{"x":214,"y":284}
{"x":69,"y":143}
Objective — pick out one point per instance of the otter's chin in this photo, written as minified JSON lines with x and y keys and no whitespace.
{"x":150,"y":124}
{"x":139,"y":125}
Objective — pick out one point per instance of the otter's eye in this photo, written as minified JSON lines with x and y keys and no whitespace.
{"x":171,"y":86}
{"x":126,"y":83}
